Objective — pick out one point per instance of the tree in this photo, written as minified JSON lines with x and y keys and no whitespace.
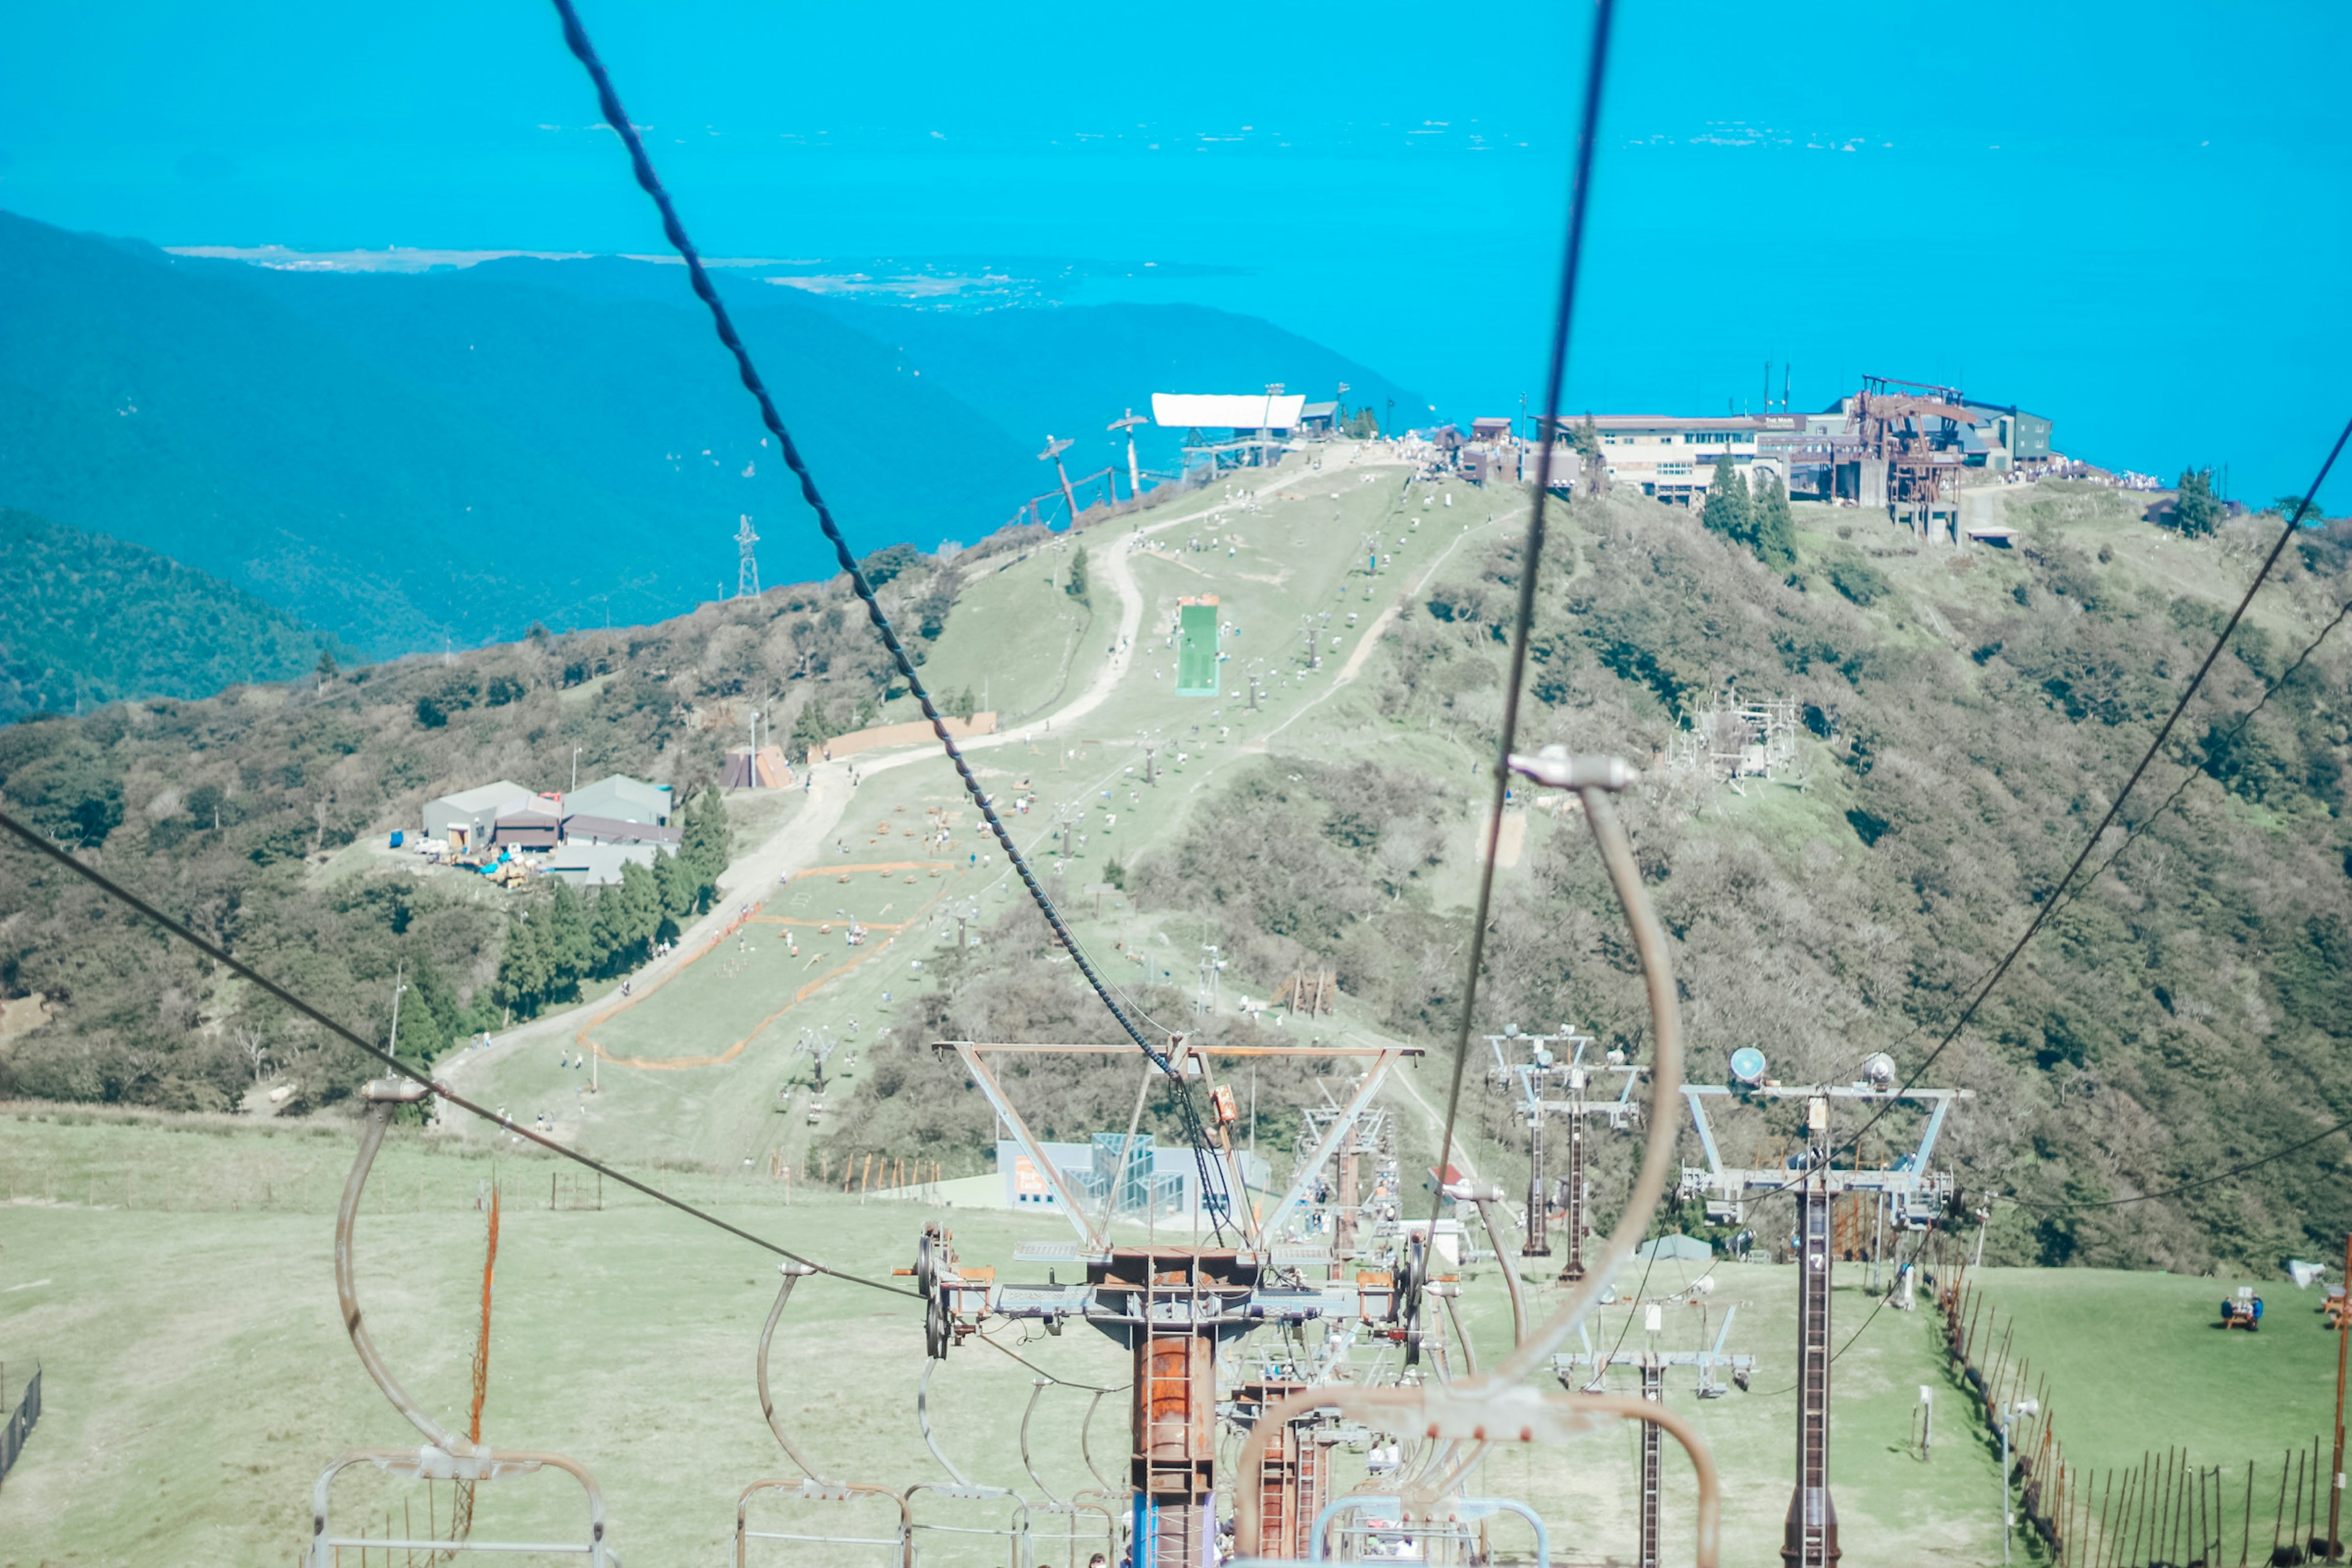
{"x":2287,"y":506}
{"x":54,"y":773}
{"x":325,"y":669}
{"x":1587,"y":440}
{"x":1774,"y":530}
{"x":2196,"y":512}
{"x":702,"y":845}
{"x":570,"y":949}
{"x":1728,"y":511}
{"x":963,"y":704}
{"x":524,"y":973}
{"x":674,"y":887}
{"x":1076,"y":584}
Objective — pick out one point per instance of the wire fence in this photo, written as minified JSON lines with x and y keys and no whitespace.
{"x":2163,"y":1512}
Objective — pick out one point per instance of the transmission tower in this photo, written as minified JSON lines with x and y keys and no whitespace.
{"x":747,"y":564}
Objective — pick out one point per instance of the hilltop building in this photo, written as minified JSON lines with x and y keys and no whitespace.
{"x":466,"y":819}
{"x":622,"y":799}
{"x":1162,"y":1183}
{"x":1257,"y":427}
{"x":616,"y":814}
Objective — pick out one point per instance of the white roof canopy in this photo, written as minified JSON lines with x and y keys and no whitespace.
{"x":1238,"y":411}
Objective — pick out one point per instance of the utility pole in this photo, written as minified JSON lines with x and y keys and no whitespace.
{"x":1307,"y":629}
{"x":2343,"y":1346}
{"x":1053,"y":454}
{"x":1254,"y":680}
{"x":1134,"y":475}
{"x":747,"y":566}
{"x":576,"y":770}
{"x":399,"y":985}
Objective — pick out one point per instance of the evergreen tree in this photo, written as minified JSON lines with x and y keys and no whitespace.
{"x":2198,"y":512}
{"x":429,"y":1014}
{"x":523,"y":972}
{"x":570,"y":950}
{"x":623,"y":920}
{"x":1728,"y":511}
{"x":1076,"y":584}
{"x":1595,"y":476}
{"x":703,"y":846}
{"x":1774,"y":529}
{"x":674,"y":891}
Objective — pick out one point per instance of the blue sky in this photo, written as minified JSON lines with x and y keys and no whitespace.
{"x":2129,"y":217}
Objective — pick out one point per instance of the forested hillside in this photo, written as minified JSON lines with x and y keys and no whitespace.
{"x":252,"y":814}
{"x":90,"y":620}
{"x":1969,"y":719}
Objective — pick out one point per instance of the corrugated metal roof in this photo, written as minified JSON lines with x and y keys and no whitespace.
{"x":484,"y":798}
{"x":1238,"y":411}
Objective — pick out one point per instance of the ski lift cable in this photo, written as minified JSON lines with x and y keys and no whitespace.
{"x":33,"y":839}
{"x":1579,"y":201}
{"x":575,"y":37}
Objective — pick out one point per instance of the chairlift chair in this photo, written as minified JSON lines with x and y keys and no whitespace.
{"x":443,"y":1455}
{"x":815,"y":1487}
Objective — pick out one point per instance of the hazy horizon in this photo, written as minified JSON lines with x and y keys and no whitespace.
{"x":2110,"y":220}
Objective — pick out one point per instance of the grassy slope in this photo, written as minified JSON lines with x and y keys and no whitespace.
{"x":193,"y":1359}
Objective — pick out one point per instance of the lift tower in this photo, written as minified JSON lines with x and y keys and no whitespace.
{"x":1916,"y":1196}
{"x":1549,"y":1085}
{"x":1053,"y":454}
{"x":1134,"y":474}
{"x":1169,"y":1303}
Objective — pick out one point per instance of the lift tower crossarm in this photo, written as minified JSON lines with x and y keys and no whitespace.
{"x":1072,"y":1209}
{"x":1341,"y":1126}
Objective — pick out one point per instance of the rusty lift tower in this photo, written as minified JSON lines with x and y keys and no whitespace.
{"x":1916,"y":1196}
{"x":1053,"y":454}
{"x":1911,"y":432}
{"x":1653,"y":1362}
{"x":1550,"y":1086}
{"x":1171,"y":1303}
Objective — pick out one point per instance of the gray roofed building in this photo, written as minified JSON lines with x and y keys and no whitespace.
{"x":580,"y":829}
{"x":620,"y":796}
{"x":528,"y":824}
{"x":467,"y":817}
{"x":596,"y":865}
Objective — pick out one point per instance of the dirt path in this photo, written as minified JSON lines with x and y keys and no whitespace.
{"x":794,"y":846}
{"x":1362,"y":654}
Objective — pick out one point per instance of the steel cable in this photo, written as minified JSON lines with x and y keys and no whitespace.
{"x":1530,"y":559}
{"x":107,"y":885}
{"x":575,"y":37}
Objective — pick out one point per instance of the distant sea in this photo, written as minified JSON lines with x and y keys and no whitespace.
{"x":2169,"y":302}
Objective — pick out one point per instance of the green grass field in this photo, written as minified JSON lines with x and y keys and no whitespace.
{"x":192,"y":1361}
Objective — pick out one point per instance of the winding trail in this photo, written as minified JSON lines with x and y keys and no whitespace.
{"x":798,"y":844}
